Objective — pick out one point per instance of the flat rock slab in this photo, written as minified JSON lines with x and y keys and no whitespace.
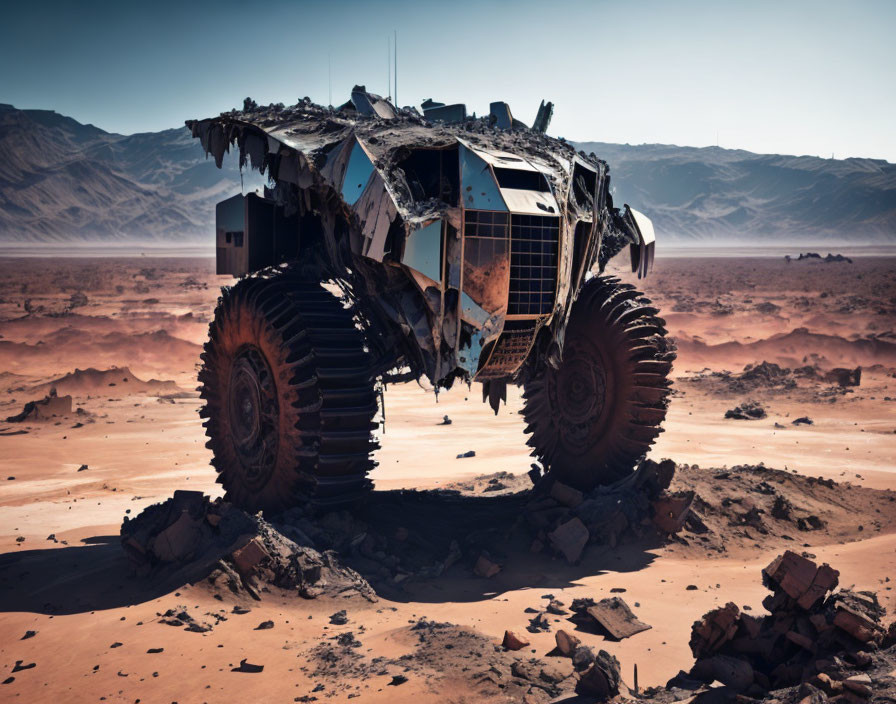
{"x":616,"y":618}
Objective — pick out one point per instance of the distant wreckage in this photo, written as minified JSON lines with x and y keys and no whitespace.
{"x":462,"y":248}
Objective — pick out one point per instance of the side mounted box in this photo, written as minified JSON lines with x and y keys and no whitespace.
{"x":252,"y":233}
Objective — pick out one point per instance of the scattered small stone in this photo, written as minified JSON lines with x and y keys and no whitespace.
{"x":468,"y":453}
{"x":397,"y":680}
{"x":28,"y":634}
{"x":539,"y":624}
{"x":266,"y":625}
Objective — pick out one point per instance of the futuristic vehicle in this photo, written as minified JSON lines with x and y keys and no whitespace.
{"x":392,"y":245}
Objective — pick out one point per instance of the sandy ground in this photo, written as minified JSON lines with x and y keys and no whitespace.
{"x":140,"y":441}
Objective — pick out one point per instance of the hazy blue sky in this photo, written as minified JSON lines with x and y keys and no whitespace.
{"x":794,"y":77}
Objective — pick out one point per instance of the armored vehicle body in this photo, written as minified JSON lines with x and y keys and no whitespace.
{"x":392,"y":245}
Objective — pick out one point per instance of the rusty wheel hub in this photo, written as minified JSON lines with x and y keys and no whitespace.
{"x":254,"y":416}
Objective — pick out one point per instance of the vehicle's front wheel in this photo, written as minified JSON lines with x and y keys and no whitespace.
{"x":289,"y":401}
{"x":595,"y":416}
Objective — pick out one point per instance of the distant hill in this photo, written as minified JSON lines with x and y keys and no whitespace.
{"x":61,"y":181}
{"x":702,"y":193}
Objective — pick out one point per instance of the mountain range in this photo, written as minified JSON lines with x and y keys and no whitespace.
{"x":62,"y":181}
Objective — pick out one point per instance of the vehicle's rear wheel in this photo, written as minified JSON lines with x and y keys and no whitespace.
{"x":289,"y":401}
{"x":595,"y":416}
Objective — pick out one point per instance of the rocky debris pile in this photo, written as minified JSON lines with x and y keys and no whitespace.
{"x":811,"y":635}
{"x":815,"y":255}
{"x":189,"y":538}
{"x":49,"y":408}
{"x":844,"y":377}
{"x":452,"y":658}
{"x":565,"y":519}
{"x":748,"y":410}
{"x":771,"y":377}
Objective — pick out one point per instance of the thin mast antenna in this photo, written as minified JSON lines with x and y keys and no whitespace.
{"x":395,"y":72}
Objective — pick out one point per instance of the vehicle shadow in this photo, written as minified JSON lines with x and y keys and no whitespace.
{"x":72,"y":579}
{"x":434,"y":524}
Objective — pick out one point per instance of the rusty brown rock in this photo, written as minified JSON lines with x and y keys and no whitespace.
{"x":801,"y":579}
{"x":512,"y":641}
{"x":248,"y":557}
{"x":566,"y":642}
{"x":799,"y":639}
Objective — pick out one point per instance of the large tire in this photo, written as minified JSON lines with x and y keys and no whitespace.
{"x":595,"y":416}
{"x":289,"y":401}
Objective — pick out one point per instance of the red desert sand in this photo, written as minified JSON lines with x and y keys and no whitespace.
{"x":477,"y":585}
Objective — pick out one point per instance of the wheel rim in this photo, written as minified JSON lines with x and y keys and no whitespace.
{"x":254,"y":416}
{"x":578,"y":396}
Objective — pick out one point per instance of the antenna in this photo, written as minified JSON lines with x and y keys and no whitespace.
{"x":395,"y":55}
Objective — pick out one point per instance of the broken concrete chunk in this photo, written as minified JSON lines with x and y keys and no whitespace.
{"x":570,"y":539}
{"x":616,"y":618}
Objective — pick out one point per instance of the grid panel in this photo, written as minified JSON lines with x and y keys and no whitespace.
{"x":533,"y":264}
{"x":485,"y":223}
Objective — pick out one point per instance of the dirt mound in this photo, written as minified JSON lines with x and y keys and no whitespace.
{"x":741,"y":507}
{"x":450,"y":658}
{"x":51,"y":407}
{"x":157,"y":350}
{"x":87,"y":382}
{"x":819,"y":641}
{"x":189,"y":538}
